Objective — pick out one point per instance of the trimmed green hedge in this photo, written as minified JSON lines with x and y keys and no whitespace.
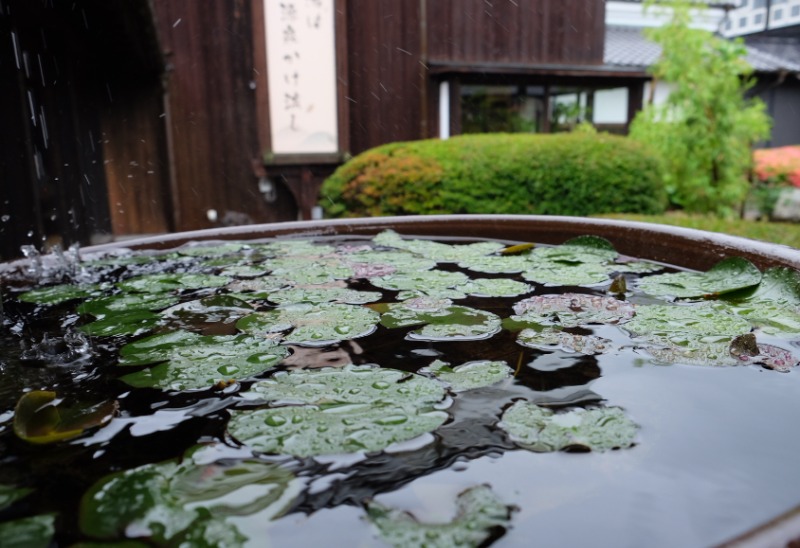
{"x":559,"y":174}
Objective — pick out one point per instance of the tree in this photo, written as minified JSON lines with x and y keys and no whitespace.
{"x":706,"y":128}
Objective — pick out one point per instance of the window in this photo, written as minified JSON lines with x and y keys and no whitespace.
{"x":742,"y":22}
{"x":759,"y":3}
{"x":795,"y":11}
{"x":758,"y":19}
{"x":777,"y":15}
{"x":728,"y":24}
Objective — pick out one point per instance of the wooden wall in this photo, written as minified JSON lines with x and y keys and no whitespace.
{"x":534,"y":32}
{"x":210,"y":106}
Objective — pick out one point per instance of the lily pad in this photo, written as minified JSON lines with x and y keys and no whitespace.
{"x":10,"y":494}
{"x":221,"y":309}
{"x":686,"y":326}
{"x":260,"y":288}
{"x":195,"y":362}
{"x":437,"y":251}
{"x":441,"y":320}
{"x":185,"y":502}
{"x":728,"y":275}
{"x":347,"y":410}
{"x":310,"y":270}
{"x":58,"y":294}
{"x":479,"y":516}
{"x":164,"y":283}
{"x":579,"y":250}
{"x":214,"y":250}
{"x":471,"y":375}
{"x":542,"y":430}
{"x":127,"y":322}
{"x":495,"y":287}
{"x":313,"y":325}
{"x":433,"y":283}
{"x":551,"y":339}
{"x":572,"y":310}
{"x":323,"y":294}
{"x":494,"y":264}
{"x":32,"y":532}
{"x":125,"y":302}
{"x":552,"y":273}
{"x":774,"y":306}
{"x":41,"y":418}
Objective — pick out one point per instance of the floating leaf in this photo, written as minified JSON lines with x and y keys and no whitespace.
{"x":194,"y":362}
{"x":310,"y":270}
{"x":542,"y":430}
{"x":731,"y":274}
{"x":220,"y":309}
{"x":32,"y":532}
{"x":57,"y":294}
{"x":495,"y":287}
{"x":772,"y":357}
{"x":9,"y":494}
{"x":471,"y":375}
{"x":400,"y":261}
{"x":440,"y":320}
{"x":517,"y":249}
{"x":323,"y":294}
{"x":438,"y":251}
{"x":313,"y":325}
{"x":493,"y":264}
{"x":434,"y":283}
{"x":774,"y":306}
{"x":260,"y":288}
{"x":479,"y":516}
{"x":549,"y":338}
{"x":164,"y":283}
{"x":128,"y":322}
{"x":244,"y":271}
{"x":126,"y":302}
{"x":212,"y":250}
{"x":41,"y":418}
{"x":579,"y":250}
{"x":185,"y":502}
{"x":573,"y":309}
{"x":348,"y":385}
{"x":567,"y":274}
{"x":685,"y":326}
{"x":345,"y":410}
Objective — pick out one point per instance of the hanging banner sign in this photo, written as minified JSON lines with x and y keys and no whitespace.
{"x":301,"y":63}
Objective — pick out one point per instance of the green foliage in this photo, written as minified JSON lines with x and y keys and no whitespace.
{"x":706,"y":127}
{"x":564,"y":174}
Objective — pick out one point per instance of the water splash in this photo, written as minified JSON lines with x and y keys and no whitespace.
{"x":73,"y":348}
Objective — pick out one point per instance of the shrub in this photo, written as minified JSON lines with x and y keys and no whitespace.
{"x":563,"y":174}
{"x":778,"y":165}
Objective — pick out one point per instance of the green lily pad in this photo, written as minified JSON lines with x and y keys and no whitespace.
{"x":434,"y":283}
{"x":572,"y":310}
{"x":441,"y":320}
{"x":496,"y":264}
{"x":32,"y":532}
{"x":58,"y":294}
{"x":214,"y":250}
{"x":774,"y":306}
{"x":125,"y":302}
{"x":310,"y":270}
{"x":542,"y":430}
{"x":728,"y":275}
{"x":244,"y":271}
{"x":687,"y":326}
{"x":348,"y":385}
{"x":551,"y":339}
{"x":260,"y":288}
{"x":10,"y":494}
{"x":41,"y":418}
{"x":185,"y":502}
{"x":164,"y":283}
{"x":579,"y":250}
{"x":552,"y":273}
{"x":495,"y":287}
{"x":391,"y":260}
{"x":437,"y":251}
{"x":195,"y":362}
{"x":346,"y":410}
{"x":479,"y":515}
{"x":313,"y":325}
{"x":127,"y":322}
{"x":323,"y":294}
{"x":471,"y":375}
{"x":220,"y":309}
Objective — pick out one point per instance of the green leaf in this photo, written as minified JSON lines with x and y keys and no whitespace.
{"x":313,"y":325}
{"x":580,"y":250}
{"x":164,"y":283}
{"x":185,"y":501}
{"x":551,"y":339}
{"x":495,"y":287}
{"x":219,"y":309}
{"x":479,"y":514}
{"x":774,"y":306}
{"x":471,"y":375}
{"x":572,"y":310}
{"x":9,"y":495}
{"x":32,"y":532}
{"x":194,"y":362}
{"x":434,"y":283}
{"x":685,"y":325}
{"x":57,"y":294}
{"x":345,"y":410}
{"x":731,"y":274}
{"x":437,"y":251}
{"x":493,"y":264}
{"x":542,"y":430}
{"x":41,"y":418}
{"x":323,"y":294}
{"x":440,"y":320}
{"x":128,"y":322}
{"x":127,"y":301}
{"x":552,"y":273}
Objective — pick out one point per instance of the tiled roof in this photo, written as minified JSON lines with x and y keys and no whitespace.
{"x":627,"y":46}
